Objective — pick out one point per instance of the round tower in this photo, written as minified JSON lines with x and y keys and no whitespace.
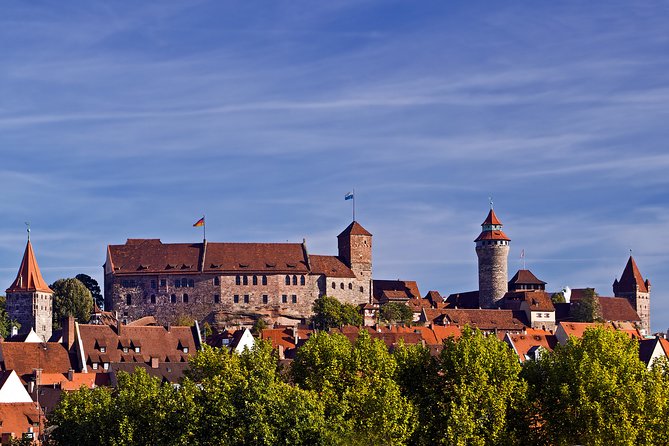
{"x":492,"y":249}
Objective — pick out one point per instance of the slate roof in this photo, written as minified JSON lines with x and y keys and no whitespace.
{"x":29,"y":277}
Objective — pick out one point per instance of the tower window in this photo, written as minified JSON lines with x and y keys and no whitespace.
{"x":265,"y":298}
{"x":238,"y":280}
{"x":163,"y":283}
{"x":294,"y":280}
{"x":287,"y":280}
{"x":245,"y":280}
{"x":334,"y":285}
{"x":185,"y":298}
{"x":264,"y":280}
{"x":284,"y":298}
{"x":362,"y":289}
{"x":128,"y":299}
{"x":302,"y":280}
{"x":191,"y":283}
{"x":217,"y":281}
{"x":255,"y":280}
{"x":350,"y":286}
{"x":184,"y":282}
{"x":153,"y":284}
{"x":294,"y":297}
{"x":177,"y":283}
{"x":217,"y":298}
{"x":153,"y":298}
{"x":246,"y":298}
{"x":341,"y":285}
{"x":235,"y":298}
{"x":173,"y":298}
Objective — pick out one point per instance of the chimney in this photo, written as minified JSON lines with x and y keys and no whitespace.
{"x":282,"y":354}
{"x":296,"y":336}
{"x":168,"y":327}
{"x":118,"y":326}
{"x":70,"y":374}
{"x":68,"y":332}
{"x":154,"y":362}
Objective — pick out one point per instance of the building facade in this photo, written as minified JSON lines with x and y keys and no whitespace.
{"x":492,"y":250}
{"x":29,"y":298}
{"x":636,"y":290}
{"x":147,"y":277}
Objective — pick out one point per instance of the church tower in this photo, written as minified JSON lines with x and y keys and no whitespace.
{"x":29,"y":298}
{"x":355,"y":250}
{"x":632,"y":287}
{"x":492,"y":250}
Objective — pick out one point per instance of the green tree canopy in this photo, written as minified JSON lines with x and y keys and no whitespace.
{"x":587,"y":309}
{"x":5,"y":322}
{"x":93,"y":287}
{"x":330,"y":313}
{"x":396,"y":312}
{"x":71,"y":298}
{"x":558,"y":298}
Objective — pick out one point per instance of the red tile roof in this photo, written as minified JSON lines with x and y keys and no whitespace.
{"x":354,"y":229}
{"x":491,"y":219}
{"x":395,"y":290}
{"x":153,"y":341}
{"x":630,"y":279}
{"x":617,"y":309}
{"x":525,"y":277}
{"x":523,"y":342}
{"x":577,"y":329}
{"x":486,"y":320}
{"x":29,"y":277}
{"x":18,"y":418}
{"x":537,"y":300}
{"x":492,"y":235}
{"x":330,"y":266}
{"x":469,"y":299}
{"x":24,"y":357}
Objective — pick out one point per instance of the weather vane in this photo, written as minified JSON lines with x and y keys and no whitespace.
{"x":490,"y":200}
{"x":28,"y":229}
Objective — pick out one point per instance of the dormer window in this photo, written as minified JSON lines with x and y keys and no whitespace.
{"x":125,"y":349}
{"x":185,"y":349}
{"x":94,"y":366}
{"x":103,"y":349}
{"x":105,"y":365}
{"x":137,"y":349}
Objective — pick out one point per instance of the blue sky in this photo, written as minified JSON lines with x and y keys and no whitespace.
{"x":128,"y":119}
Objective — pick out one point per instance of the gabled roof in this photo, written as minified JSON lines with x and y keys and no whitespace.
{"x":491,"y":219}
{"x":468,"y":299}
{"x":18,"y":418}
{"x":354,"y":228}
{"x":29,"y":277}
{"x":395,"y":290}
{"x":525,"y":277}
{"x":486,"y":320}
{"x":630,"y":279}
{"x":330,"y":266}
{"x":522,"y":343}
{"x":24,"y":357}
{"x":536,"y":300}
{"x":617,"y":309}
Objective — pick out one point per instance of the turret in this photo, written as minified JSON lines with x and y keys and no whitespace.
{"x":492,"y":250}
{"x":634,"y":288}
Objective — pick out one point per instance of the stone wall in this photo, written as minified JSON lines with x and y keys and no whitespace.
{"x":31,"y":310}
{"x":493,"y":273}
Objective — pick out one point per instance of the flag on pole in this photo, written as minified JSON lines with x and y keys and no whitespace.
{"x":522,"y":254}
{"x":348,"y":196}
{"x":199,"y":223}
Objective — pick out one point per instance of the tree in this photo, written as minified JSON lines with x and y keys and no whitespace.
{"x":558,"y":298}
{"x":6,"y":323}
{"x":481,"y":391}
{"x":71,"y":298}
{"x":93,"y":287}
{"x":330,"y":313}
{"x":258,"y":326}
{"x":396,"y":312}
{"x":592,"y":391}
{"x":588,"y":308}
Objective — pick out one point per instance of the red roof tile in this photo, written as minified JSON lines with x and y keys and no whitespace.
{"x":492,"y":235}
{"x":18,"y":418}
{"x":525,"y":277}
{"x":523,"y":342}
{"x":354,"y":229}
{"x":24,"y":357}
{"x":330,"y":266}
{"x":491,"y":219}
{"x":29,"y":277}
{"x":536,"y":300}
{"x":486,"y":320}
{"x":395,"y":290}
{"x":630,"y":279}
{"x":617,"y":309}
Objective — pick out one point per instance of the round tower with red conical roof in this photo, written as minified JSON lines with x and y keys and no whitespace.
{"x":492,"y":249}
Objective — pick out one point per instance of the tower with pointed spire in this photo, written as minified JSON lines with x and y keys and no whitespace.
{"x":634,"y":288}
{"x":29,"y":298}
{"x":492,"y":250}
{"x":355,"y":250}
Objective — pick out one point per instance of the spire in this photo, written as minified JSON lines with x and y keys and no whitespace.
{"x":29,"y":277}
{"x":492,"y":219}
{"x":632,"y":278}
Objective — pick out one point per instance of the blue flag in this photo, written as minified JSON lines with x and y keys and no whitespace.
{"x":348,"y":196}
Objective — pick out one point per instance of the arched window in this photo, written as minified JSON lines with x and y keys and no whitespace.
{"x":245,"y":280}
{"x":341,"y":285}
{"x":302,"y":280}
{"x":264,"y":280}
{"x":128,"y":299}
{"x":255,"y":280}
{"x":362,"y":290}
{"x":350,"y":286}
{"x":217,"y":298}
{"x":184,"y":282}
{"x":191,"y":283}
{"x":177,"y":283}
{"x":294,"y":280}
{"x":217,"y":280}
{"x":238,"y":280}
{"x":185,"y":298}
{"x":334,"y":285}
{"x":153,"y":298}
{"x":173,"y":298}
{"x":287,"y":280}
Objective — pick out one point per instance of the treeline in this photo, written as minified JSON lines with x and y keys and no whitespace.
{"x":592,"y":391}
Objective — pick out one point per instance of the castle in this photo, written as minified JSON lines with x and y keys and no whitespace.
{"x":281,"y":281}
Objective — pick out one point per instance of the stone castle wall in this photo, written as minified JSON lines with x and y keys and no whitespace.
{"x":493,"y":273}
{"x":31,"y":310}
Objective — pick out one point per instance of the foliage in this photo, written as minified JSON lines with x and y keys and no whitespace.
{"x":591,"y":391}
{"x":71,"y":298}
{"x":588,"y":308}
{"x":258,"y":326}
{"x":6,"y":323}
{"x":363,"y":403}
{"x":396,"y":312}
{"x":183,"y":320}
{"x":93,"y":287}
{"x":558,"y":298}
{"x":330,"y":313}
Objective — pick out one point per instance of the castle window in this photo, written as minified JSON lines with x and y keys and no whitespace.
{"x":128,"y":299}
{"x":350,"y":286}
{"x":177,"y":283}
{"x":184,"y":282}
{"x":163,"y":283}
{"x":217,"y":298}
{"x":265,"y":298}
{"x":185,"y":298}
{"x":341,"y":285}
{"x":362,"y":290}
{"x":264,"y":280}
{"x":153,"y":298}
{"x":105,"y":365}
{"x":302,"y":280}
{"x":246,"y":298}
{"x":294,"y":297}
{"x":217,"y":281}
{"x":245,"y":279}
{"x":294,"y":280}
{"x":153,"y":284}
{"x":284,"y":298}
{"x":103,"y":349}
{"x":94,"y":366}
{"x":287,"y":280}
{"x":191,"y":283}
{"x":255,"y":280}
{"x":238,"y":280}
{"x":235,"y":298}
{"x":173,"y":298}
{"x":334,"y":285}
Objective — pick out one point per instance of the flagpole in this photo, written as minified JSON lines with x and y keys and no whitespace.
{"x":204,"y":228}
{"x":353,"y":204}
